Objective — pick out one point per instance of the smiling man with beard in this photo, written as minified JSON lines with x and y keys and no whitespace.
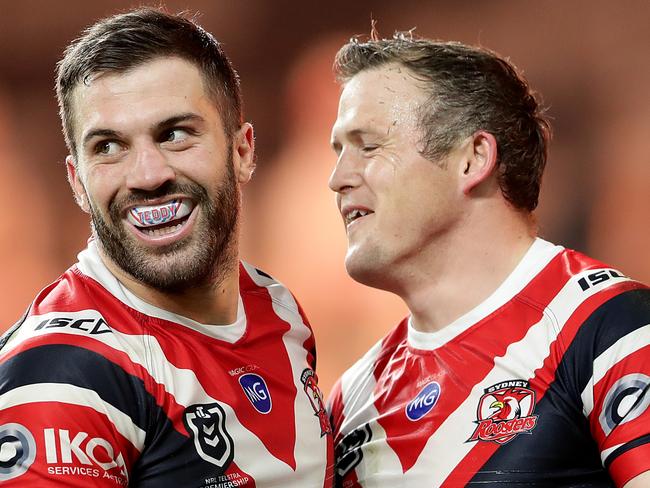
{"x":159,"y":358}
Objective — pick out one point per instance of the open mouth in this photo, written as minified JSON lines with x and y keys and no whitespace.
{"x":161,"y":220}
{"x":355,"y":214}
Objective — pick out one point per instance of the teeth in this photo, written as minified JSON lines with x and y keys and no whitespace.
{"x":148,"y":216}
{"x":355,"y":214}
{"x":162,"y":232}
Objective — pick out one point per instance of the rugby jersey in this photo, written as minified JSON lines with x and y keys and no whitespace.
{"x":99,"y":388}
{"x":545,"y":383}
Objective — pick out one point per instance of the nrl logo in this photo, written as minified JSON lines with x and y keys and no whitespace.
{"x":504,"y":412}
{"x":207,"y":426}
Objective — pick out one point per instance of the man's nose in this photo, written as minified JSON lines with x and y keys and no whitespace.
{"x":149,"y":169}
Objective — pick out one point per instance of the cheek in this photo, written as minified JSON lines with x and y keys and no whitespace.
{"x":380,"y":173}
{"x":202,"y":165}
{"x":102,"y":183}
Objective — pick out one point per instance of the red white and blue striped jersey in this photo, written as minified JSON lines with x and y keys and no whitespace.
{"x":545,"y":383}
{"x":99,"y":388}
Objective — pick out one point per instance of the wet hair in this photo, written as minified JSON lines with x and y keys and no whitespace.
{"x":469,"y":89}
{"x":125,"y":41}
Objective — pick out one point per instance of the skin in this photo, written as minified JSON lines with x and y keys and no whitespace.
{"x":145,"y":130}
{"x":641,"y":481}
{"x":425,"y":236}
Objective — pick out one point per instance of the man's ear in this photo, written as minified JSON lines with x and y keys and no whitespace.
{"x":244,"y":153}
{"x":77,"y":186}
{"x":480,"y":162}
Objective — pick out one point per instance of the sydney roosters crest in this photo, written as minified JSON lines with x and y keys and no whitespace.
{"x":504,"y":412}
{"x":310,"y":385}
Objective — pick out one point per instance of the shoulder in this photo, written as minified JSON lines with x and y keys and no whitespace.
{"x":580,"y":288}
{"x":65,"y":346}
{"x":253,"y":282}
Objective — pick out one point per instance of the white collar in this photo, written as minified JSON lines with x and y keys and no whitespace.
{"x":536,"y":258}
{"x":91,"y":264}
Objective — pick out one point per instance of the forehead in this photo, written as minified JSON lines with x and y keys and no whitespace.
{"x":389,"y":95}
{"x":148,"y":92}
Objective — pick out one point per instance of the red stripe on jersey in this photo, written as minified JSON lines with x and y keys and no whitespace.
{"x":505,"y":326}
{"x":237,"y":477}
{"x":630,"y":430}
{"x":258,"y":351}
{"x":72,"y":452}
{"x":539,"y":382}
{"x":265,"y":345}
{"x":335,"y":408}
{"x":630,"y":464}
{"x":164,"y":399}
{"x":328,"y":481}
{"x":310,"y":342}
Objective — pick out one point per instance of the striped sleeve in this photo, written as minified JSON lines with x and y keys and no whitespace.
{"x":68,"y":414}
{"x":616,"y":396}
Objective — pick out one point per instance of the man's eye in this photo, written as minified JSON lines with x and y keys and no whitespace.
{"x":107,"y":148}
{"x":176,"y":135}
{"x":369,"y":148}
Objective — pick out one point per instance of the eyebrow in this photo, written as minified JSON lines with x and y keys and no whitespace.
{"x":164,"y":124}
{"x":352,"y":134}
{"x":176,"y":119}
{"x":99,"y":133}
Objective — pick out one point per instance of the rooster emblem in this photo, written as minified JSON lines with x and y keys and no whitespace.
{"x":507,"y":405}
{"x":310,"y":384}
{"x":504,"y":412}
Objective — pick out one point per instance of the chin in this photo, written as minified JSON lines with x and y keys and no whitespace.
{"x":366,"y":271}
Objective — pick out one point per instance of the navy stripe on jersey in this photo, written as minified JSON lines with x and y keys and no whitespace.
{"x":614,"y":319}
{"x":560,"y":410}
{"x":560,"y":449}
{"x":627,"y":447}
{"x":9,"y":332}
{"x":67,"y":364}
{"x":266,"y":275}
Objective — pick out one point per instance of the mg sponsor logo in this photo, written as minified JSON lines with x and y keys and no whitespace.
{"x":256,"y":391}
{"x":424,"y":402}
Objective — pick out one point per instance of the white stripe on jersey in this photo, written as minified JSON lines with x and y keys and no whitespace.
{"x":534,"y":261}
{"x":357,"y":389}
{"x":440,"y":456}
{"x":622,"y":348}
{"x":528,"y":355}
{"x":285,"y":307}
{"x":76,"y":395}
{"x":182,"y":384}
{"x":91,"y":264}
{"x":604,"y":454}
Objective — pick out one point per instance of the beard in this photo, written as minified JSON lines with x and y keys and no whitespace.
{"x":202,"y":258}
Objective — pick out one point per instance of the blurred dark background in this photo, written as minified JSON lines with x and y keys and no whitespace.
{"x":590,"y":60}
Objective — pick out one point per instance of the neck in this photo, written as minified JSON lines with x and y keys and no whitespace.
{"x":214,"y":302}
{"x":453,"y":277}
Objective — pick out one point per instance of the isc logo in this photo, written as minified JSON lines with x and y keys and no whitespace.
{"x":423,"y":402}
{"x":81,"y":449}
{"x":598,"y":277}
{"x":93,"y":326}
{"x":257,"y":392}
